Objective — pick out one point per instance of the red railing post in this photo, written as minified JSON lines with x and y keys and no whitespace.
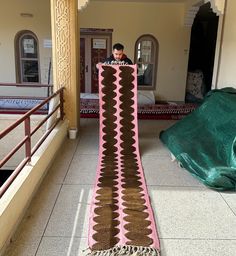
{"x":29,"y":151}
{"x":28,"y":140}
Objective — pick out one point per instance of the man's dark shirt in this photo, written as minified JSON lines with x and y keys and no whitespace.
{"x":124,"y":61}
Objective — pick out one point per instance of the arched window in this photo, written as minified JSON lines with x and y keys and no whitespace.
{"x":146,"y":58}
{"x":27,"y":57}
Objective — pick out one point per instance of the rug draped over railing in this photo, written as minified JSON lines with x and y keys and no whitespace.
{"x":121,"y":217}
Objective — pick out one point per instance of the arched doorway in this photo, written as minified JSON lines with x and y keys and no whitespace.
{"x":202,"y":52}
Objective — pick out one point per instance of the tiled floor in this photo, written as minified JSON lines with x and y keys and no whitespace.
{"x":191,"y":219}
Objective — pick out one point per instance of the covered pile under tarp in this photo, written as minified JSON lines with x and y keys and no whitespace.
{"x":204,"y":142}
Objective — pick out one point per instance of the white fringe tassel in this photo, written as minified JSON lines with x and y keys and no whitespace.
{"x":126,"y":250}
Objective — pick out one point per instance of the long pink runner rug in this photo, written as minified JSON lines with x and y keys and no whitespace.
{"x":121,"y":216}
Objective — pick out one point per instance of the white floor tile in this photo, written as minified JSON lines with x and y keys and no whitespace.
{"x":37,"y":216}
{"x":176,"y":247}
{"x":230,"y":199}
{"x":23,"y":247}
{"x":194,"y":213}
{"x":88,"y":145}
{"x":191,"y":219}
{"x":60,"y":166}
{"x":71,"y":212}
{"x":160,"y":170}
{"x":153,"y":126}
{"x":62,"y":246}
{"x":29,"y":233}
{"x":82,"y":170}
{"x":151,"y":145}
{"x":89,"y":126}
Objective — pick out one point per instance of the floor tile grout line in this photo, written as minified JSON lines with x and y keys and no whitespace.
{"x":59,"y":191}
{"x":227,"y":204}
{"x":198,"y":188}
{"x":65,"y":236}
{"x":71,"y":159}
{"x":176,"y":186}
{"x":198,"y":239}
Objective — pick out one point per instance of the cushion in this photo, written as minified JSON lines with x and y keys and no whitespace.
{"x":195,"y":84}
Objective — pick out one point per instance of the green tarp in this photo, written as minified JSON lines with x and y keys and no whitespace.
{"x":204,"y":142}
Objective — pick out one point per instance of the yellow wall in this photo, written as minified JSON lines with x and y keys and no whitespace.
{"x":162,"y":20}
{"x":227,"y":75}
{"x":11,"y":22}
{"x":129,"y":21}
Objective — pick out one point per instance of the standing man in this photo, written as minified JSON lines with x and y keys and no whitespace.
{"x":118,"y":57}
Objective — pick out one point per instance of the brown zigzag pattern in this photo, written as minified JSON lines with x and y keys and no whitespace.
{"x":106,"y":219}
{"x":137,"y":227}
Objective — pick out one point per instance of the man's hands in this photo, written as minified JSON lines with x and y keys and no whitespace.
{"x":98,"y":64}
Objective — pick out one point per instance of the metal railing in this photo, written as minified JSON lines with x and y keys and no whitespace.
{"x":26,"y":141}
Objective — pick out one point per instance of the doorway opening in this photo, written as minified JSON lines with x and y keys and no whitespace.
{"x":202,"y":53}
{"x":95,"y":46}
